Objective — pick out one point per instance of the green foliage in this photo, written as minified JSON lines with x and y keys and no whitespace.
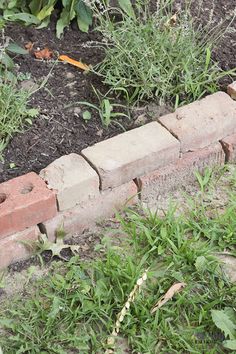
{"x":75,"y":307}
{"x":106,"y":109}
{"x":14,"y":113}
{"x":7,"y":47}
{"x":38,"y":12}
{"x":204,"y":179}
{"x":150,"y":56}
{"x":225,"y":320}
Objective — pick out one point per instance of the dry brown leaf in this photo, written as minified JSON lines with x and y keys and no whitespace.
{"x":172,"y":21}
{"x":175,"y":288}
{"x":29,"y":46}
{"x":45,"y":53}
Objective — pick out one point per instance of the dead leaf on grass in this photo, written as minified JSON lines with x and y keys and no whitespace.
{"x":45,"y":53}
{"x":44,"y":244}
{"x":171,"y":22}
{"x":175,"y":288}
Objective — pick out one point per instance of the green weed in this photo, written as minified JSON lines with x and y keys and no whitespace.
{"x":14,"y":112}
{"x":106,"y":109}
{"x":159,"y":55}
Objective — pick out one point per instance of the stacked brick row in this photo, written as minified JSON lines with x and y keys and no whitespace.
{"x":76,"y":191}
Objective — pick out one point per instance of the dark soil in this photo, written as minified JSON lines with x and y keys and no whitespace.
{"x":59,"y":130}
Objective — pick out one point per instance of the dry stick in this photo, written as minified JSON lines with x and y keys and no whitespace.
{"x":122,"y":313}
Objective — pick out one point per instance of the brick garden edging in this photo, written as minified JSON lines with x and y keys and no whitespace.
{"x":76,"y":191}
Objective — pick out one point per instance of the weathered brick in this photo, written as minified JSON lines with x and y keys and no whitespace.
{"x":25,"y":201}
{"x":120,"y":159}
{"x":73,"y":178}
{"x":203,"y":122}
{"x":181,"y":172}
{"x":231,"y":90}
{"x":12,"y":249}
{"x":86,"y":214}
{"x":229,"y":146}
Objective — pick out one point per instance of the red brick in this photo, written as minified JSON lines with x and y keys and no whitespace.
{"x":229,"y":146}
{"x":129,"y":155}
{"x":203,"y":122}
{"x":85,"y":215}
{"x":13,"y":250}
{"x":181,"y":172}
{"x":25,"y":201}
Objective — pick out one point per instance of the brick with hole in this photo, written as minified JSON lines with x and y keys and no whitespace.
{"x":25,"y":201}
{"x":73,"y":179}
{"x":229,"y":146}
{"x":202,"y":122}
{"x":181,"y":172}
{"x":86,"y":214}
{"x":18,"y":246}
{"x":131,"y":154}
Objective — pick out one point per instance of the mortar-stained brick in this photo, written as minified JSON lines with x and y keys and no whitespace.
{"x":203,"y":122}
{"x":86,"y":214}
{"x":181,"y":172}
{"x":12,"y":249}
{"x":25,"y":201}
{"x":120,"y":159}
{"x":229,"y":146}
{"x":73,"y":178}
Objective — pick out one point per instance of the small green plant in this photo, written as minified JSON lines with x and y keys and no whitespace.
{"x":161,"y":54}
{"x":225,"y":320}
{"x":105,"y":109}
{"x":204,"y":179}
{"x":14,"y":111}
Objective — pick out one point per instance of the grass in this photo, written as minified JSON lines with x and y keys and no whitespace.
{"x":14,"y":111}
{"x":160,"y":54}
{"x":74,"y":309}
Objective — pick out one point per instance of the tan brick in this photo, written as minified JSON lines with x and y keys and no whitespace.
{"x":231,"y":90}
{"x":73,"y":178}
{"x":85,"y":215}
{"x":13,"y":250}
{"x":203,"y":122}
{"x":120,"y":159}
{"x":229,"y":146}
{"x":181,"y":172}
{"x":25,"y":201}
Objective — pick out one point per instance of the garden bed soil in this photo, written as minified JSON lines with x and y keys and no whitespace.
{"x":59,"y":130}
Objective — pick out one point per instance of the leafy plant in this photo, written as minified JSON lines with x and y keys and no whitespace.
{"x":105,"y":109}
{"x":225,"y":320}
{"x":6,"y":47}
{"x":39,"y":13}
{"x":159,"y":54}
